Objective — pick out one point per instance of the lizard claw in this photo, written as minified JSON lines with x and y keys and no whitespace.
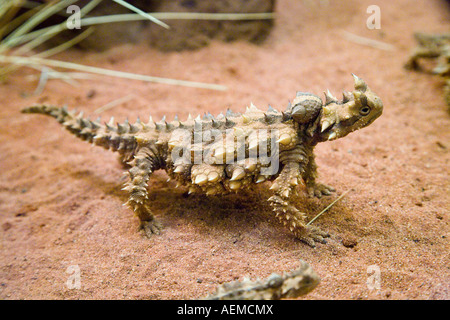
{"x":150,"y":228}
{"x":319,"y":190}
{"x":312,"y":235}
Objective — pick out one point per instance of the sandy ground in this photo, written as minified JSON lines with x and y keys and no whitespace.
{"x":61,"y":204}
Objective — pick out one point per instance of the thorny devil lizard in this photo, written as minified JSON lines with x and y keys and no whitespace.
{"x":289,"y":285}
{"x":227,"y":153}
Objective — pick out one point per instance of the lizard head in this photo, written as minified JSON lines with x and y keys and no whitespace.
{"x":357,"y":110}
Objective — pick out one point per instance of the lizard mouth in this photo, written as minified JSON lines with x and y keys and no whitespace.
{"x":341,"y":129}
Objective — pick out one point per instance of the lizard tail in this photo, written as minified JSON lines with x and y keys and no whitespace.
{"x":119,"y":138}
{"x":85,"y":129}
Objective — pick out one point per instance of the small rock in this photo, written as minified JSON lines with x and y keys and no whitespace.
{"x":91,"y":93}
{"x":349,"y":242}
{"x":6,"y":226}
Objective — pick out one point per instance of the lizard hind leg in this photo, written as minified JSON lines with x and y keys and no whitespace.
{"x":139,"y":174}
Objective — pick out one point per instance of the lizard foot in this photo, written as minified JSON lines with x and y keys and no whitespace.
{"x":294,"y":220}
{"x":310,"y":235}
{"x":148,"y":224}
{"x":318,"y":190}
{"x":151,"y":227}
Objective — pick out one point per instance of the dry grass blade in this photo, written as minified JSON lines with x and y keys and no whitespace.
{"x":8,"y":11}
{"x":367,"y":42}
{"x":214,"y":16}
{"x":114,"y":103}
{"x":66,"y":45}
{"x":328,"y":207}
{"x":90,"y":21}
{"x":50,"y":9}
{"x":178,"y":16}
{"x":22,"y":38}
{"x":52,"y":51}
{"x":142,"y":13}
{"x":27,"y":61}
{"x":54,"y":30}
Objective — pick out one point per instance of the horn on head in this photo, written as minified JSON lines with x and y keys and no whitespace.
{"x":329,"y":98}
{"x":346,"y":96}
{"x":360,"y":85}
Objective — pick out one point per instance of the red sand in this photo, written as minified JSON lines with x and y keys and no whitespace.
{"x":61,"y":203}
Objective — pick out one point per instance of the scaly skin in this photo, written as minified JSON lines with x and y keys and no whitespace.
{"x":290,"y":285}
{"x":232,"y":152}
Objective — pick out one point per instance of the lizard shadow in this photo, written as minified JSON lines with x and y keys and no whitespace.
{"x":245,"y":214}
{"x":233,"y":215}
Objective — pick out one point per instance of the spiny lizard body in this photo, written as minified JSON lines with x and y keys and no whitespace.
{"x":228,"y":153}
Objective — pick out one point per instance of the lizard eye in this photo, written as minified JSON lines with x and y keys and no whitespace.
{"x":364,"y":111}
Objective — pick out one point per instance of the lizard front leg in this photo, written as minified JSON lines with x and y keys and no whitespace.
{"x":283,"y":187}
{"x":309,"y":176}
{"x":139,"y":174}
